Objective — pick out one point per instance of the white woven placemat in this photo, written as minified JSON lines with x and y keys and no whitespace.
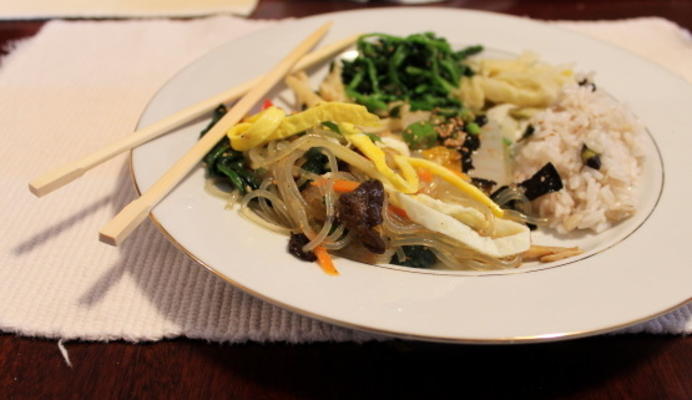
{"x":78,"y":85}
{"x":33,"y":9}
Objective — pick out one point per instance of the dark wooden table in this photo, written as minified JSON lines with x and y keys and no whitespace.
{"x":604,"y":367}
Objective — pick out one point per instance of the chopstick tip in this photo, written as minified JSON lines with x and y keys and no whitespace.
{"x":107,"y":239}
{"x":36,"y":191}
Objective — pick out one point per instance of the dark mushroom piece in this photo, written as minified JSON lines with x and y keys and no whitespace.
{"x":295,"y":247}
{"x":361,"y":211}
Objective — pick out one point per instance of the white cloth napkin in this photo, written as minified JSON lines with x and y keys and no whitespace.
{"x":33,"y":9}
{"x":78,"y":85}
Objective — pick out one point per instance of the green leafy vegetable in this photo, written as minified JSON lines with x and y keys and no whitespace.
{"x":416,"y":257}
{"x":421,"y":69}
{"x":219,"y":112}
{"x":473,"y":128}
{"x":468,"y":52}
{"x":331,"y":126}
{"x":224,"y":162}
{"x":316,"y":162}
{"x":420,"y":135}
{"x":374,"y":138}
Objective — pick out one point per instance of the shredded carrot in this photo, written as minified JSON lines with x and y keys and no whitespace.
{"x":425,"y":174}
{"x":398,"y":211}
{"x":340,"y":185}
{"x":325,"y":261}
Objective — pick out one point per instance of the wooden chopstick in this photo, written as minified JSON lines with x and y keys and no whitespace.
{"x":67,"y":173}
{"x":115,"y":231}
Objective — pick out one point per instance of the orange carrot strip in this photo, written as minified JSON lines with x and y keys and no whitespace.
{"x":319,"y":182}
{"x":325,"y":261}
{"x":343,"y":186}
{"x":398,"y":211}
{"x":340,"y":185}
{"x":424,"y":174}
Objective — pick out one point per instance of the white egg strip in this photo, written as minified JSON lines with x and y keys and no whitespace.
{"x":517,"y":236}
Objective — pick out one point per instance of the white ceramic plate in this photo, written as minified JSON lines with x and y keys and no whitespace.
{"x":635,"y":271}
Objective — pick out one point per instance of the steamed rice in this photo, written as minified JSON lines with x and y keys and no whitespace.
{"x":591,"y":199}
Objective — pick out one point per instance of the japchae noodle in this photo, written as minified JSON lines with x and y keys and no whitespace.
{"x":279,"y":204}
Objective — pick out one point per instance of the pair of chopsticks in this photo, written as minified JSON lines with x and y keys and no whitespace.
{"x":115,"y":231}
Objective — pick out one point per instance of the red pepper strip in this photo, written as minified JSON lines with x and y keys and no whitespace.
{"x":267,"y":103}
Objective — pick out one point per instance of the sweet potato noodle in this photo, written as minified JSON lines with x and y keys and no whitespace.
{"x":279,"y":205}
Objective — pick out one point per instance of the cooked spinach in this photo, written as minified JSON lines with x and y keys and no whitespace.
{"x":416,"y":257}
{"x":421,"y":69}
{"x":373,"y":138}
{"x":218,"y":113}
{"x":224,"y":162}
{"x":332,"y":126}
{"x":316,"y":162}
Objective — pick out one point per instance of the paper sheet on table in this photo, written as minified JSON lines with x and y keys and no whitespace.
{"x":32,"y":9}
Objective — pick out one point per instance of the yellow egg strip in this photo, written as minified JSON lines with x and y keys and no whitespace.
{"x":273,"y":124}
{"x":410,"y":174}
{"x":408,"y":184}
{"x":456,"y":180}
{"x":332,"y":111}
{"x":247,"y":135}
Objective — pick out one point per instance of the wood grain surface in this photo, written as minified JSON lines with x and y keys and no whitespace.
{"x":604,"y":367}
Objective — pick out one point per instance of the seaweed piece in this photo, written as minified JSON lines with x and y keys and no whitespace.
{"x":590,"y":157}
{"x":586,"y":82}
{"x":416,"y":257}
{"x":497,"y":192}
{"x":545,"y":181}
{"x":295,"y":247}
{"x":481,"y":120}
{"x":511,"y":205}
{"x":471,"y":144}
{"x":486,"y":185}
{"x":528,"y":132}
